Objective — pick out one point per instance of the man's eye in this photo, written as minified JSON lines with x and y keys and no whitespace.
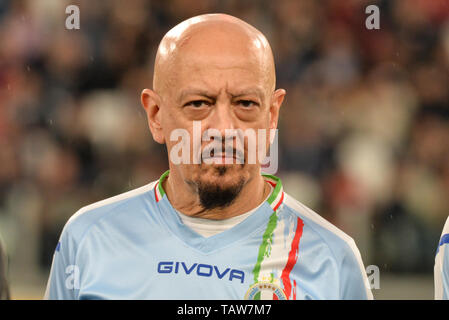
{"x":246,"y":103}
{"x":198,"y":103}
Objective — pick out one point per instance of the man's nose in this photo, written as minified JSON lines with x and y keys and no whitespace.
{"x":222,"y":117}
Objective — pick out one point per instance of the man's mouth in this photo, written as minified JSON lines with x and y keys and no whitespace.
{"x":234,"y":157}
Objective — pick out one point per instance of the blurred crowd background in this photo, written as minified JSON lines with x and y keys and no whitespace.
{"x":364,"y":129}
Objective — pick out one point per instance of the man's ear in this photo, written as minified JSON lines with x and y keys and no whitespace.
{"x":276,"y":102}
{"x":151,"y":102}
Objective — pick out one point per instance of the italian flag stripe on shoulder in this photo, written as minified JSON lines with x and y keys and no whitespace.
{"x":277,"y":196}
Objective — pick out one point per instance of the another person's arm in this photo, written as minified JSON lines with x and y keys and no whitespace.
{"x":441,"y":269}
{"x":4,"y":288}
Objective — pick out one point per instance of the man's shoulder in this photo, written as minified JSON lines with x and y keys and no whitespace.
{"x":331,"y":236}
{"x":341,"y":248}
{"x":89,"y":215}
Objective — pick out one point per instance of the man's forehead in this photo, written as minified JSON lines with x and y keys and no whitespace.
{"x":197,"y":65}
{"x":216,"y":71}
{"x":234,"y":78}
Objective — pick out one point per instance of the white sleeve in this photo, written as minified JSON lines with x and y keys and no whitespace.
{"x":60,"y":285}
{"x":441,"y":268}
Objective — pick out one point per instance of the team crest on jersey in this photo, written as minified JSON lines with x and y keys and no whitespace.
{"x":265,"y":291}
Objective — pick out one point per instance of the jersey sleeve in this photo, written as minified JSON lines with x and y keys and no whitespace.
{"x":441,"y":268}
{"x":63,"y":282}
{"x":354,"y":284}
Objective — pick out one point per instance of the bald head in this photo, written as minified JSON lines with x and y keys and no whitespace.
{"x":219,"y":39}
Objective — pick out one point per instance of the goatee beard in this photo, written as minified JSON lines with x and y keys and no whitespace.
{"x":214,"y":196}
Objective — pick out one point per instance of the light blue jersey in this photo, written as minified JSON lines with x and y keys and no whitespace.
{"x":441,"y":269}
{"x":135,"y":246}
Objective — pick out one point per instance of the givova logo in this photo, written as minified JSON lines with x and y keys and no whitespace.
{"x":201,"y":270}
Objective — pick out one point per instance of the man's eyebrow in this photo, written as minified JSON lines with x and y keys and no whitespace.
{"x":208,"y":94}
{"x":251,"y":91}
{"x":196,"y":92}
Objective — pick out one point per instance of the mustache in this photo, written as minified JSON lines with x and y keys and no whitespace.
{"x":219,"y":147}
{"x":218,"y":150}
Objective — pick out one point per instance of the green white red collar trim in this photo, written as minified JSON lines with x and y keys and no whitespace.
{"x":277,"y":196}
{"x":158,"y":190}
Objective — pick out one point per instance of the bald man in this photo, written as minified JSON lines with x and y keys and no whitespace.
{"x":213,"y":226}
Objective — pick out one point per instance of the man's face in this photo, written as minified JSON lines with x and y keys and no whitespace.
{"x":222,"y":85}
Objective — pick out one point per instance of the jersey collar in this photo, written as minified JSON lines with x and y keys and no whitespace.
{"x":254,"y":223}
{"x":274,"y":200}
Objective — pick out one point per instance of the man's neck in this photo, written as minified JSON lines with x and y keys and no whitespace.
{"x":183,"y":199}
